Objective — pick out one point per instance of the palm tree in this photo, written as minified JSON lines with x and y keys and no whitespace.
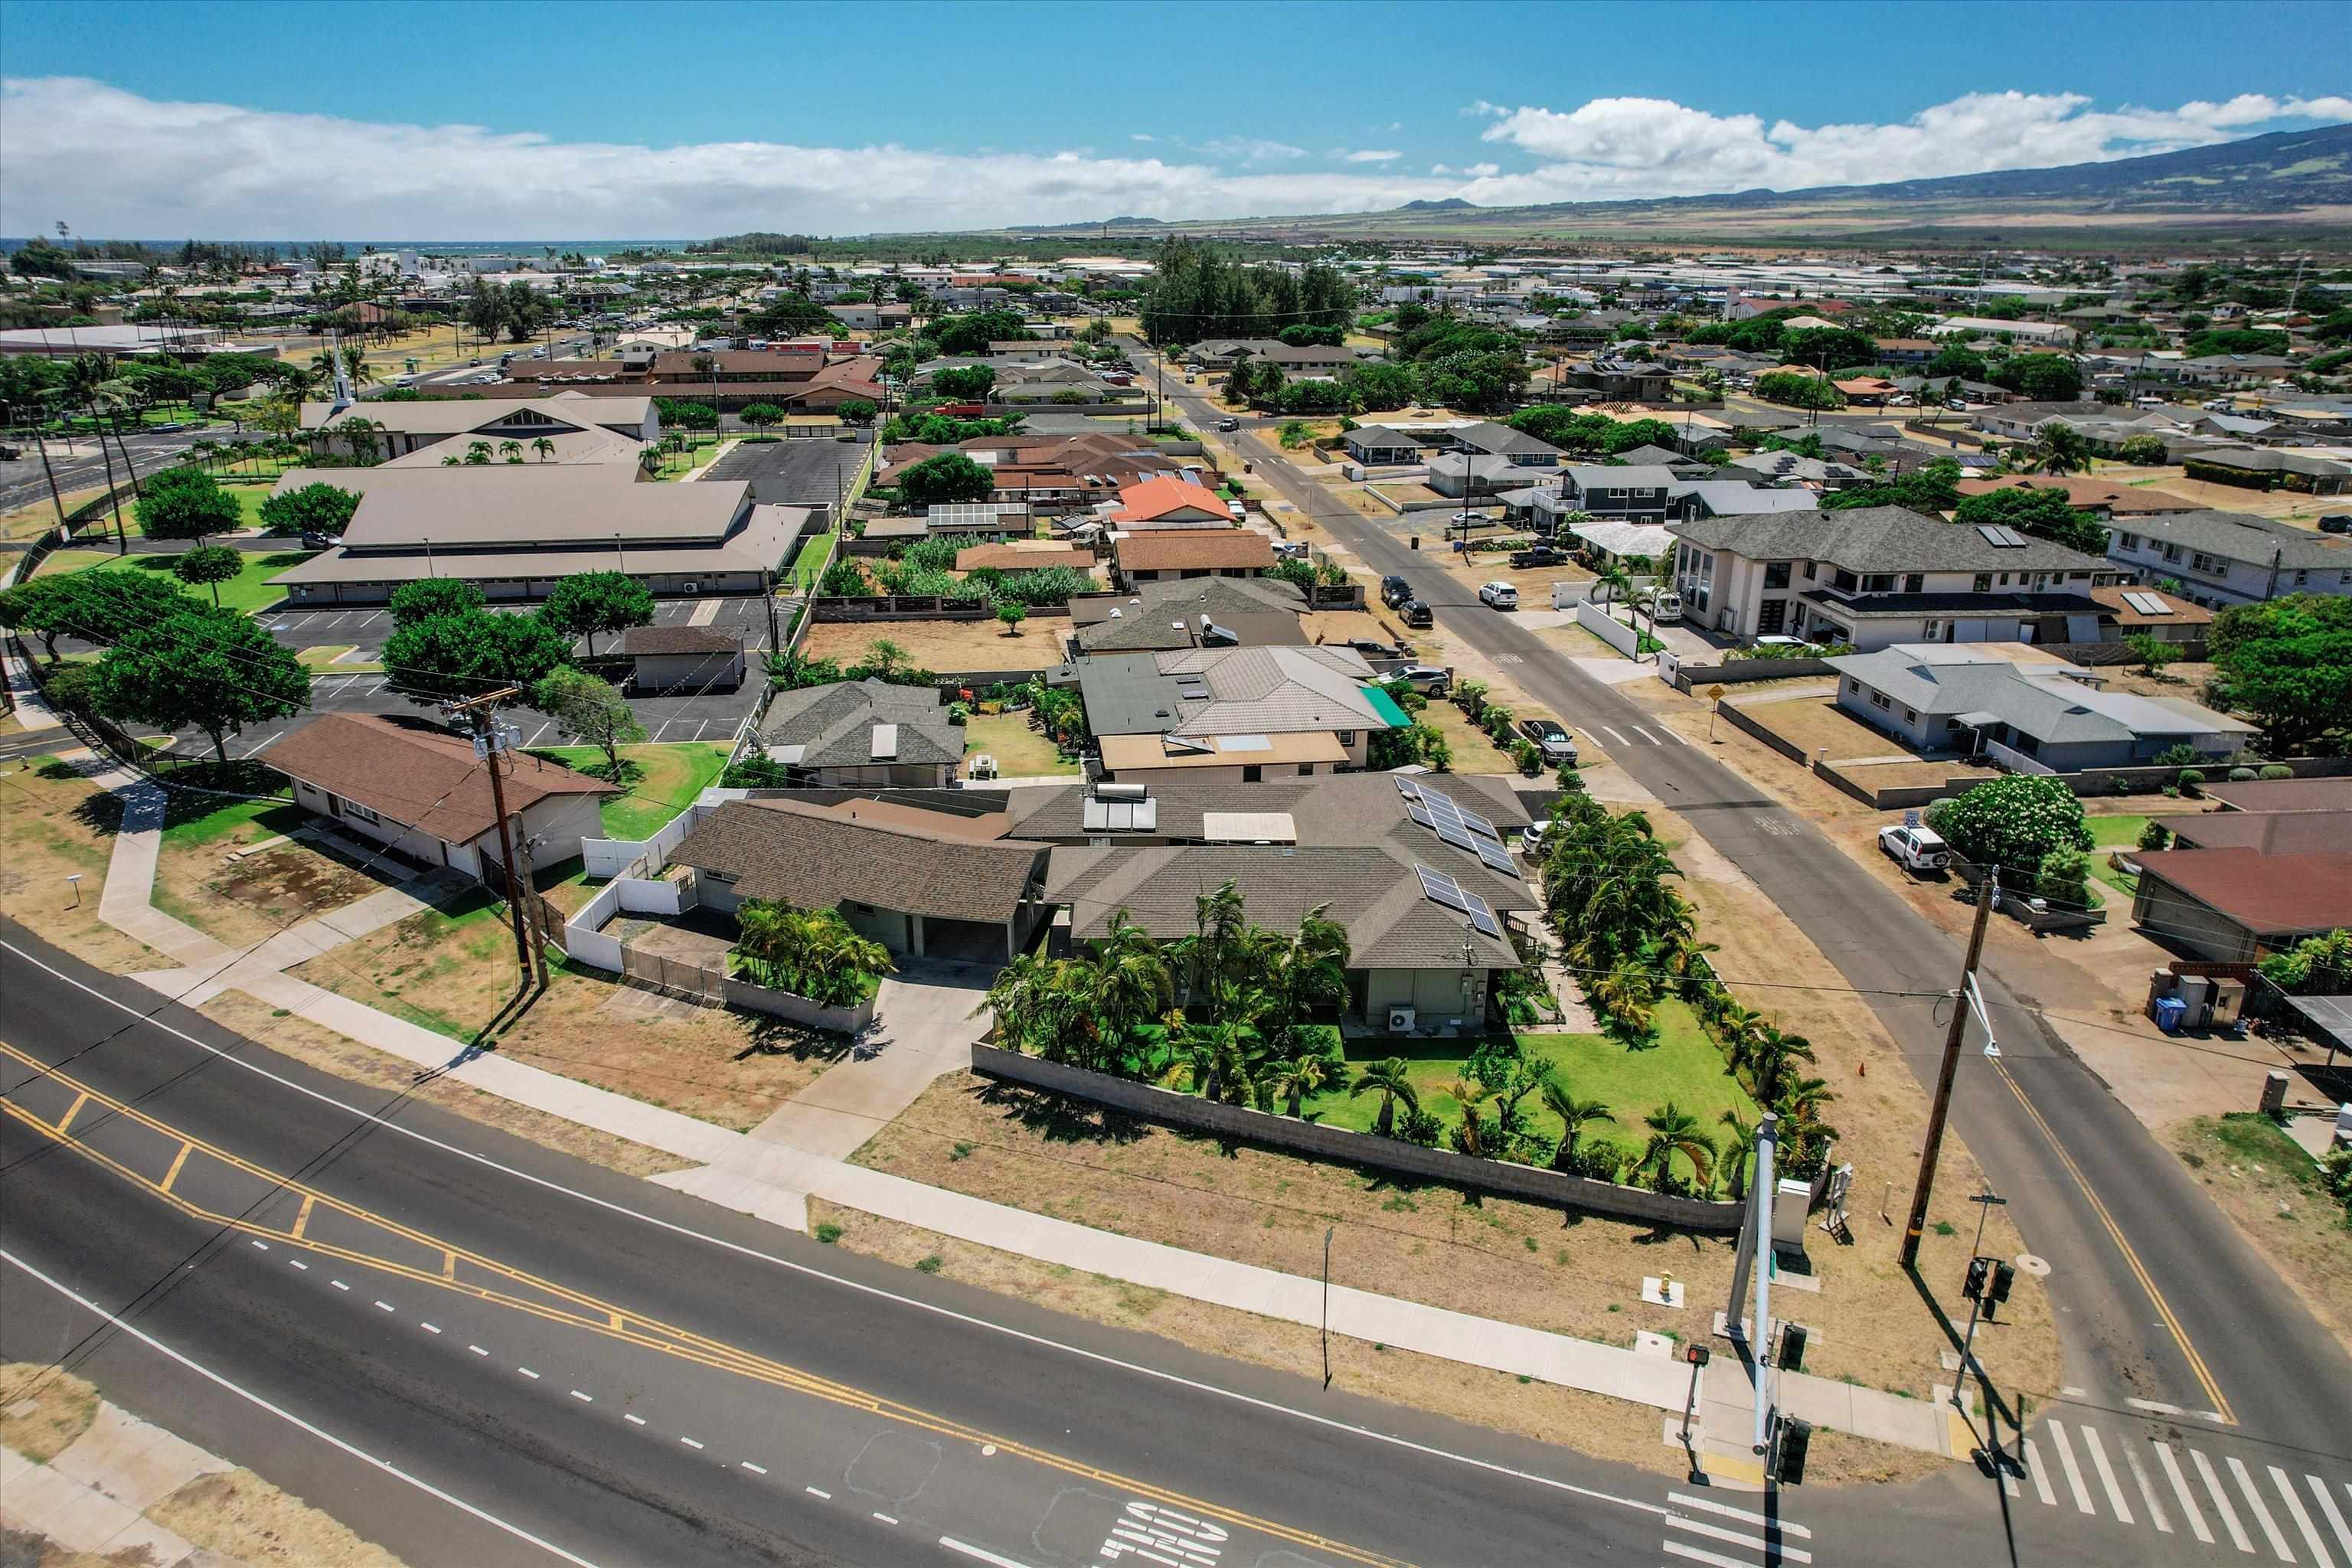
{"x":1224,"y":1057}
{"x":1129,"y":981}
{"x":1388,"y":1077}
{"x":1300,"y":1076}
{"x":1769,"y":1052}
{"x":1307,"y":970}
{"x":1673,"y":1131}
{"x":1574,"y":1113}
{"x":544,"y":447}
{"x":1470,"y":1094}
{"x":362,"y":434}
{"x":478,"y":452}
{"x":1208,"y":953}
{"x":511,"y":450}
{"x":2058,"y":448}
{"x":1736,"y":1143}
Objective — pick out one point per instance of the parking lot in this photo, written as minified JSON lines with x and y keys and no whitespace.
{"x":364,"y":629}
{"x":806,"y":471}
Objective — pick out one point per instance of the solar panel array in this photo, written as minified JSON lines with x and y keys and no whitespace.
{"x":1998,"y":537}
{"x":2148,"y":604}
{"x":1436,"y":810}
{"x":1443,"y":889}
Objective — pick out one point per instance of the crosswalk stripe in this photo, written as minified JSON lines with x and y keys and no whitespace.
{"x":1616,"y":737}
{"x":2147,"y":1492}
{"x":1644,"y":734}
{"x":2221,"y":1500}
{"x":2073,"y":1471}
{"x":2181,"y":1489}
{"x":1674,"y":734}
{"x":1712,"y":1559}
{"x":2008,"y":1481}
{"x":2261,"y":1509}
{"x":2335,"y":1520}
{"x":2302,"y":1519}
{"x":1709,"y":1505}
{"x":2041,"y":1477}
{"x":2107,"y":1474}
{"x":1737,"y":1538}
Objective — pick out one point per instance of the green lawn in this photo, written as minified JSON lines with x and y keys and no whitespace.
{"x":810,"y":562}
{"x":1020,"y":751}
{"x":247,"y":592}
{"x":233,"y":818}
{"x":663,"y":781}
{"x":2109,"y":834}
{"x":1685,"y":1067}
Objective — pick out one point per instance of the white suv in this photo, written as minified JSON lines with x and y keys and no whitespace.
{"x":1915,"y":849}
{"x":1499,"y":596}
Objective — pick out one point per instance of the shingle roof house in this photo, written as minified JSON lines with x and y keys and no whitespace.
{"x":1232,"y":711}
{"x":863,"y":732}
{"x":2225,"y":558}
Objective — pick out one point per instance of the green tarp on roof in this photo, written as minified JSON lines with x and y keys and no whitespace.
{"x":1385,"y":706}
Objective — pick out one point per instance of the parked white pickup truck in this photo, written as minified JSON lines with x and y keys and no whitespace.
{"x":1915,"y":849}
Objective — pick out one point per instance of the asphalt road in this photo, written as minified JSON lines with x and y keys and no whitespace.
{"x":22,"y":482}
{"x":2158,"y":1297}
{"x":446,"y":1311}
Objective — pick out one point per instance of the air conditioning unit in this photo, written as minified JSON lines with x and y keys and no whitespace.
{"x":1400,"y":1020}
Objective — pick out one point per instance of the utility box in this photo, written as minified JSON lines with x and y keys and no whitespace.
{"x":1792,"y":1201}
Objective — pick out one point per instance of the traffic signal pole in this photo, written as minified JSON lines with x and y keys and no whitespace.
{"x":1986,"y":890}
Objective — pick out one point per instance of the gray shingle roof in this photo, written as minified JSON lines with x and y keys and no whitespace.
{"x":2241,"y":536}
{"x":809,"y":859}
{"x":1875,"y":539}
{"x":833,"y":725}
{"x":1620,"y":477}
{"x":1499,"y":440}
{"x":2052,"y":709}
{"x":1331,"y":809}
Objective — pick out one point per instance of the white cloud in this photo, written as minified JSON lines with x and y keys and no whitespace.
{"x":1251,"y":150}
{"x":1650,"y":146}
{"x":1396,"y":124}
{"x":1138,"y":136}
{"x":1366,"y":156}
{"x":111,"y":163}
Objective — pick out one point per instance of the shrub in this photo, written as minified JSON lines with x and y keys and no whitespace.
{"x":1419,"y":1126}
{"x":827,"y":1232}
{"x":2013,"y":822}
{"x":2190,"y":779}
{"x":2063,"y":878}
{"x":2276,"y":771}
{"x":2240,"y":775}
{"x":2154,"y":837}
{"x":1525,"y":754}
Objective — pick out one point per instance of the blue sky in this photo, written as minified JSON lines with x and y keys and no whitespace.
{"x":591,"y":120}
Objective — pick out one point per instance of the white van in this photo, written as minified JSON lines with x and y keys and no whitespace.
{"x":1663,"y":605}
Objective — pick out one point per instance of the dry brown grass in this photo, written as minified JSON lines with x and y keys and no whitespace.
{"x":2262,"y":1183}
{"x":43,"y":1409}
{"x":347,"y":1059}
{"x":2287,"y":506}
{"x":44,"y":838}
{"x":35,"y":518}
{"x":1590,"y":1423}
{"x":241,"y":1516}
{"x":1473,"y":752}
{"x":453,"y":975}
{"x":1817,"y":723}
{"x":946,"y":645}
{"x":244,"y":901}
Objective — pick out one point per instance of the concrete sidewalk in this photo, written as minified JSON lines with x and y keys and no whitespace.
{"x":93,"y":1496}
{"x":797,"y":1153}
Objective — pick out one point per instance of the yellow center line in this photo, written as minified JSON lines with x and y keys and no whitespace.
{"x":2131,"y":1260}
{"x":608,"y":1320}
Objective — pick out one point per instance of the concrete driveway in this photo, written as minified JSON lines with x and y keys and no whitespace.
{"x":924,"y":1028}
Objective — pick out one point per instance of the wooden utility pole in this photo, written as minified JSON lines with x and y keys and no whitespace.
{"x":481,"y":713}
{"x":1986,"y":891}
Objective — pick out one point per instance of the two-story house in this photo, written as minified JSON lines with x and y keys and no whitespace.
{"x":1628,"y":492}
{"x":2225,"y":558}
{"x":1873,"y":576}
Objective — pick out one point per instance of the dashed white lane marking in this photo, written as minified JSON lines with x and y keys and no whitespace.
{"x":1673,"y":734}
{"x":885,"y":1519}
{"x":817,"y":1491}
{"x":755,"y":1469}
{"x":338,"y":1284}
{"x":634,"y":1420}
{"x":1643,"y":733}
{"x":428,"y":1328}
{"x":2302,"y":1519}
{"x":2073,"y":1471}
{"x":690,"y":1442}
{"x":477,"y":1350}
{"x":1712,"y":1559}
{"x":1616,"y":737}
{"x":583,"y":1398}
{"x":2261,"y":1509}
{"x":383,"y":1306}
{"x":979,"y":1553}
{"x":263,"y":1244}
{"x":2155,"y":1514}
{"x":2180,"y":1491}
{"x":2158,"y":1405}
{"x":528,"y":1372}
{"x":2107,"y":1474}
{"x":2221,"y":1503}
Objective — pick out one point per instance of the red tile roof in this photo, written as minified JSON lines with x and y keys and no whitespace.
{"x":2270,"y":895}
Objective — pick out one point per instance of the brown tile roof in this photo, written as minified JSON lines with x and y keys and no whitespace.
{"x":1187,"y":550}
{"x":2270,"y":895}
{"x":417,"y":772}
{"x":809,"y":858}
{"x":2271,"y":832}
{"x":2283,"y":794}
{"x":678,"y":639}
{"x":2116,"y":608}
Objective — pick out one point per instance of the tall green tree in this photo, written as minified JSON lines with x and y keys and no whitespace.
{"x":208,"y":565}
{"x":594,"y":602}
{"x":2037,"y":513}
{"x":1674,"y":1131}
{"x":431,"y":597}
{"x":185,"y":502}
{"x":201,"y":668}
{"x":945,"y":478}
{"x":319,"y":508}
{"x":593,"y":712}
{"x":444,"y":658}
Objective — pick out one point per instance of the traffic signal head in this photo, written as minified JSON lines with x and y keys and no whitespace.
{"x":2004,"y":1275}
{"x":1978,"y":1269}
{"x":1795,"y":1437}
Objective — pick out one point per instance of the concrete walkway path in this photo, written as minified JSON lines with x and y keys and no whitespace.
{"x":92,"y":1498}
{"x":798,"y":1153}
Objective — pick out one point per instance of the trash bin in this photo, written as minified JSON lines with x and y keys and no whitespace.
{"x":2170,"y":1010}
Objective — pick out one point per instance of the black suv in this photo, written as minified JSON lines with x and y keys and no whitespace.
{"x":1395,"y":590}
{"x":1540,"y":555}
{"x":1414,"y":613}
